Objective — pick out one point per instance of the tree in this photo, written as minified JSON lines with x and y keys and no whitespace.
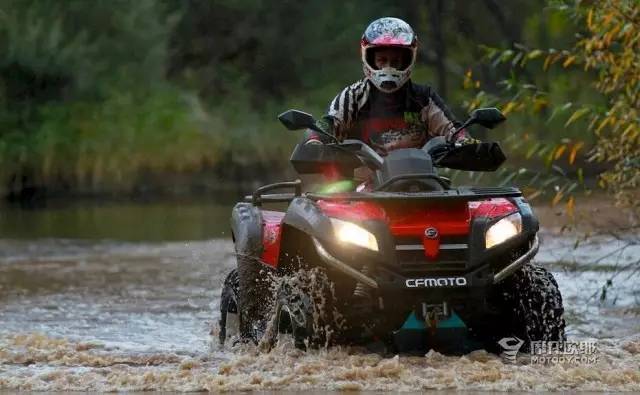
{"x":606,"y":53}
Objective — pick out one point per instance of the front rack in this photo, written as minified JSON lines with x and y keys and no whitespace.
{"x":259,"y":196}
{"x":460,"y":193}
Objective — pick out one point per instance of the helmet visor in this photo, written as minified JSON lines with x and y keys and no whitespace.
{"x":399,"y":58}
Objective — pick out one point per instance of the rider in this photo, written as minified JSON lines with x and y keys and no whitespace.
{"x":385,"y":109}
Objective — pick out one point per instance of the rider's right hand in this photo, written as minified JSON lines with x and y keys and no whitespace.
{"x":312,"y":137}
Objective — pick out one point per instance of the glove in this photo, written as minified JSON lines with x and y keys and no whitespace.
{"x":466,"y":140}
{"x":312,"y":137}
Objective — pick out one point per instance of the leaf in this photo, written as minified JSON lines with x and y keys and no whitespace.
{"x":571,"y":207}
{"x":603,"y":124}
{"x":536,"y":53}
{"x":556,"y":199}
{"x":569,"y":61}
{"x":508,"y":178}
{"x":574,"y":152}
{"x":559,"y":151}
{"x":534,"y":195}
{"x":547,"y":62}
{"x":627,"y":131}
{"x":509,"y":107}
{"x":581,"y":176}
{"x":576,"y":115}
{"x":559,"y":170}
{"x":516,"y":59}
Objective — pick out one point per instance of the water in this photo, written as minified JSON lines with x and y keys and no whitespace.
{"x":110,"y":312}
{"x":131,"y":221}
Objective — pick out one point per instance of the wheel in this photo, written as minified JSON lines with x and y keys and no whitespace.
{"x":254,"y":300}
{"x":533,"y":297}
{"x":305,"y":308}
{"x":529,"y":307}
{"x":229,"y":313}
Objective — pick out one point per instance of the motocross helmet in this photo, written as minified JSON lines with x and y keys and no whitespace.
{"x":390,"y":33}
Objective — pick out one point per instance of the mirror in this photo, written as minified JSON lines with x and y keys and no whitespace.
{"x":295,"y":119}
{"x":487,"y":117}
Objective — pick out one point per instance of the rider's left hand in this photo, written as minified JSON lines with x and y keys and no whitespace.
{"x":466,"y":140}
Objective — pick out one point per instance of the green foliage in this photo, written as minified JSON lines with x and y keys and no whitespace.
{"x":106,"y":145}
{"x":605,"y":56}
{"x":83,"y":102}
{"x":96,"y":95}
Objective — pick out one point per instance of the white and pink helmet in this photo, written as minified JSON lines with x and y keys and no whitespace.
{"x":388,"y":32}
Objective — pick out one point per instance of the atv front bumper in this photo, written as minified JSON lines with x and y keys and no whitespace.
{"x":385,"y":280}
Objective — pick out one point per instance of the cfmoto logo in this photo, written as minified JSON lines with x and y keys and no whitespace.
{"x":436,"y":282}
{"x":431,"y":233}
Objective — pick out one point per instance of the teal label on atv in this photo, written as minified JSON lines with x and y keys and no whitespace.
{"x":454,"y":321}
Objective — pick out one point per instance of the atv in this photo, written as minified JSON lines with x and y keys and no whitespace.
{"x":410,"y":261}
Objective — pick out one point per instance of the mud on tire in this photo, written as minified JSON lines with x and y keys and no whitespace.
{"x":305,"y":307}
{"x":229,"y":305}
{"x":254,"y":297}
{"x":533,"y":304}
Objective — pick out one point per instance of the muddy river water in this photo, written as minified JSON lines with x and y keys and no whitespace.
{"x":91,"y":311}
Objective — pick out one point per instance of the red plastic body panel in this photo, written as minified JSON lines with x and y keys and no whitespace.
{"x":271,"y":236}
{"x":353,"y":211}
{"x":448,"y":218}
{"x":491,"y":208}
{"x":431,"y":247}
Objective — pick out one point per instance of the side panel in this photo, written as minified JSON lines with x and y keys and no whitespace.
{"x":271,"y":236}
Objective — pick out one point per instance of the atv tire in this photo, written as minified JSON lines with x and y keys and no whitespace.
{"x":254,"y":297}
{"x":305,"y":308}
{"x":531,"y":305}
{"x":230,"y":316}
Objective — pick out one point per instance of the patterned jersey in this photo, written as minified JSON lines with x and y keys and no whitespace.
{"x":406,"y":118}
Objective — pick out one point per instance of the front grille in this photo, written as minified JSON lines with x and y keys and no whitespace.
{"x":453,"y":254}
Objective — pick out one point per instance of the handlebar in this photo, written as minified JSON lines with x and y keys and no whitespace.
{"x":364,"y":151}
{"x":437,"y":147}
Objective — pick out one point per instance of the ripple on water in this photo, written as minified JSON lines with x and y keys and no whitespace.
{"x":108,"y":316}
{"x":38,"y":362}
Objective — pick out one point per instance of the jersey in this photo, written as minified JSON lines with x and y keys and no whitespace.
{"x":407,"y":118}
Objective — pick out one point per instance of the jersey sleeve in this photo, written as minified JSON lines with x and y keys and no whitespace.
{"x":343,"y":109}
{"x":437,"y":117}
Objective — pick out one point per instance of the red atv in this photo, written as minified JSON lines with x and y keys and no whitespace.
{"x":411,"y":262}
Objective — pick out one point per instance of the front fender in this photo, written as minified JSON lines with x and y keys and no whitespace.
{"x":246,"y":225}
{"x":304,"y":215}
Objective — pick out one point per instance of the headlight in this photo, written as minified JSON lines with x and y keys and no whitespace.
{"x":347,"y":232}
{"x":503,"y":230}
